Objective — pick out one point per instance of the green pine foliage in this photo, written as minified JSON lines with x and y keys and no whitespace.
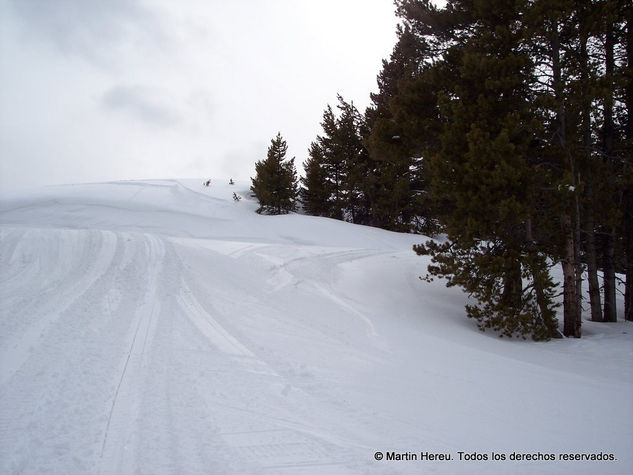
{"x":275,"y":185}
{"x":484,"y":175}
{"x":507,"y":128}
{"x":397,"y":139}
{"x":315,"y":192}
{"x":490,"y":274}
{"x":336,"y":168}
{"x":531,"y":164}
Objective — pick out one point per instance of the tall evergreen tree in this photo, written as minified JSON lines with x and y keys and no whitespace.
{"x":620,"y":17}
{"x":315,"y":191}
{"x":336,"y":170}
{"x":581,"y":94}
{"x":275,"y":184}
{"x":354,"y":157}
{"x":334,"y":163}
{"x":484,"y":172}
{"x":549,"y":28}
{"x":575,"y":45}
{"x":608,"y":148}
{"x":395,"y":170}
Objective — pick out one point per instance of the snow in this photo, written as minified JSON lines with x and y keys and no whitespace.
{"x":162,"y":327}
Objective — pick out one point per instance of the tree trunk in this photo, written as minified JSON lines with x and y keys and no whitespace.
{"x":592,"y":269}
{"x":578,"y":266}
{"x":628,"y":227}
{"x":610,"y":310}
{"x":540,"y":276}
{"x":548,"y":315}
{"x":609,"y":277}
{"x":571,"y":319}
{"x":512,"y":286}
{"x":591,"y":252}
{"x":628,"y":192}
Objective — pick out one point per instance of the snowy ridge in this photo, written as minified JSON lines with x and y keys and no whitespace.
{"x":161,"y":327}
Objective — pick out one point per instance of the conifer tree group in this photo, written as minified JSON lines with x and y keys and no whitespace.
{"x":531,"y":138}
{"x":335,"y":169}
{"x":507,"y":127}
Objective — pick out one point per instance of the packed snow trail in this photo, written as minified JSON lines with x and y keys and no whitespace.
{"x":158,"y":327}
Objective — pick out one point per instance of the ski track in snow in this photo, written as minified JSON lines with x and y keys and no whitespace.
{"x":128,"y":351}
{"x":58,"y":299}
{"x":266,"y":442}
{"x":125,"y":401}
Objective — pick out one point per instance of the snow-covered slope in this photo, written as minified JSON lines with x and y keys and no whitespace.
{"x":162,"y":327}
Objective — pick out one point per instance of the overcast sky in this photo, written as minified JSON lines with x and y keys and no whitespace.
{"x":120,"y":89}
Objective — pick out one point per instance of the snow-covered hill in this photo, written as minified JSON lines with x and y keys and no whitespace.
{"x":162,"y":327}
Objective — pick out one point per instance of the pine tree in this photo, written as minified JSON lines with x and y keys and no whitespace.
{"x":484,"y":171}
{"x":335,"y":180}
{"x":402,"y":122}
{"x":334,"y":163}
{"x":275,"y":184}
{"x":315,"y":192}
{"x":619,"y":14}
{"x":575,"y":46}
{"x":392,"y":195}
{"x":354,"y":158}
{"x":548,"y":26}
{"x":608,"y":139}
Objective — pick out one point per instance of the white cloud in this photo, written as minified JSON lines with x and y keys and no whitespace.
{"x":142,"y":102}
{"x":95,"y":30}
{"x":123,"y":89}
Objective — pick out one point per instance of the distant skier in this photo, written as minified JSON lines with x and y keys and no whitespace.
{"x":207,"y":183}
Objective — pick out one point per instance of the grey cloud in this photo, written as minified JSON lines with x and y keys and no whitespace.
{"x":142,"y":102}
{"x":91,"y":29}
